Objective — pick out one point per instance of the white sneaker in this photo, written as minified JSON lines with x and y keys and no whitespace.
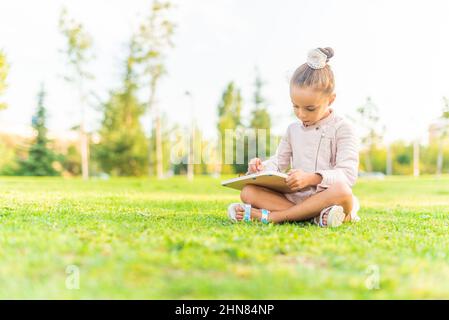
{"x":335,"y":217}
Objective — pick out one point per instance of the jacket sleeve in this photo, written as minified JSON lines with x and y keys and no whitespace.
{"x":282,"y":159}
{"x":347,"y":159}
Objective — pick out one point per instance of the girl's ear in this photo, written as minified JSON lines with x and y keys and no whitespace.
{"x":332,"y":98}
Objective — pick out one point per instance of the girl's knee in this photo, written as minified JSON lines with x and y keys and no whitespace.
{"x":248,"y":193}
{"x":341,"y":191}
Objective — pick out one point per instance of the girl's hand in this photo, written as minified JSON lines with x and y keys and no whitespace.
{"x":255,"y":165}
{"x":298,"y":179}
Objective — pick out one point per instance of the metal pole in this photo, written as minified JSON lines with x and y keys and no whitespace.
{"x":190,"y":159}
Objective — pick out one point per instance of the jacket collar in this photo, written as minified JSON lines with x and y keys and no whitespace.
{"x":321,"y":122}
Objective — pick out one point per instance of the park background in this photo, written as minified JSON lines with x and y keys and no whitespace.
{"x":98,"y":93}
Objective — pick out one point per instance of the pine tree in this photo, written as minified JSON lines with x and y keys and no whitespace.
{"x":260,"y":117}
{"x":40,"y":157}
{"x":155,"y":40}
{"x":229,"y":111}
{"x":123,"y":149}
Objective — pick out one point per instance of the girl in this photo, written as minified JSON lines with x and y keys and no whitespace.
{"x":322,"y":151}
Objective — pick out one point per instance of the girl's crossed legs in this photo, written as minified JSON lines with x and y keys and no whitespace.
{"x":281,"y":209}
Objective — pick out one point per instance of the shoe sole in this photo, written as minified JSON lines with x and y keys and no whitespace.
{"x":335,"y":217}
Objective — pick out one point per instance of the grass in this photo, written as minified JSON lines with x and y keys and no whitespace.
{"x":149,"y":239}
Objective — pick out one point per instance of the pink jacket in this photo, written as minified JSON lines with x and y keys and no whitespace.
{"x":330,"y":147}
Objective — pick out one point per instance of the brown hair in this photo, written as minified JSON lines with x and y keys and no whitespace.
{"x":319,"y":79}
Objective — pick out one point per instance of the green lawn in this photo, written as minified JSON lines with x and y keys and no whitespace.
{"x":149,"y":239}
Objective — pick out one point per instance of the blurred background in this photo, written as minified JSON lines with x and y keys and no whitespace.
{"x":110,"y":88}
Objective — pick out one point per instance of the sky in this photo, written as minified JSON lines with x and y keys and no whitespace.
{"x":393,"y":51}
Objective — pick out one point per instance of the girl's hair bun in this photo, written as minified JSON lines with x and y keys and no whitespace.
{"x":316,"y":73}
{"x":328,"y":51}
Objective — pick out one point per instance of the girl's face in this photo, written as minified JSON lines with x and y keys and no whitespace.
{"x":310,"y":105}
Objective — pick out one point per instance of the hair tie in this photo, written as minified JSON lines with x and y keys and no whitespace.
{"x":316,"y":59}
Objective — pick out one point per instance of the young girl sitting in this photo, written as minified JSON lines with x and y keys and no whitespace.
{"x":322,"y":151}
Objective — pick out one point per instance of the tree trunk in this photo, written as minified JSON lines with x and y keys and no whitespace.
{"x":150,"y":158}
{"x":190,"y":166}
{"x":440,"y":158}
{"x":158,"y":135}
{"x":389,"y":161}
{"x":191,"y":157}
{"x":416,"y":158}
{"x":158,"y":129}
{"x":84,"y":145}
{"x":368,"y":165}
{"x":219,"y":158}
{"x":84,"y":153}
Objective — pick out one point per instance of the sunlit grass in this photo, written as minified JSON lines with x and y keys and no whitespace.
{"x":140,"y":238}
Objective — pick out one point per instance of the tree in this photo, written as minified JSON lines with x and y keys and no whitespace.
{"x":260,"y":117}
{"x":166,"y":147}
{"x":155,"y":39}
{"x":444,"y":128}
{"x":403,"y":157}
{"x":4,"y":69}
{"x":191,"y":151}
{"x":40,"y":157}
{"x":229,"y":110}
{"x":71,"y":160}
{"x":123,"y":149}
{"x":368,"y":119}
{"x":78,"y":54}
